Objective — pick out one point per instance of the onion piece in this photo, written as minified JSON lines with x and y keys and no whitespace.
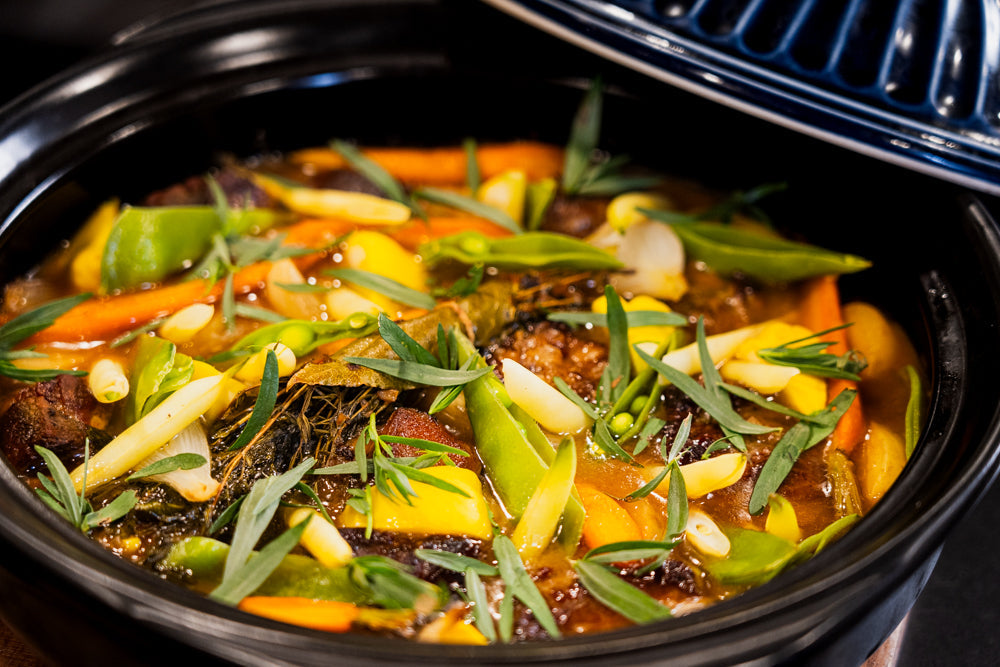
{"x":173,"y":415}
{"x":653,"y":257}
{"x":705,"y":535}
{"x":196,"y":484}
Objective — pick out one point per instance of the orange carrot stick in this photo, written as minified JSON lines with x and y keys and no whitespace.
{"x":105,"y":317}
{"x":607,"y":521}
{"x":446,"y":166}
{"x":820,"y":310}
{"x":417,"y":231}
{"x":325,"y":615}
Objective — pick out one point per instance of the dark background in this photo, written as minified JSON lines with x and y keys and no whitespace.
{"x":956,"y":621}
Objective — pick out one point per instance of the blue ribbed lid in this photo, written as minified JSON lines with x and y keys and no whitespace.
{"x":914,"y":82}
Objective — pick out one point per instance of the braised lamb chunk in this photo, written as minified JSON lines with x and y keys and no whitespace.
{"x":704,"y":431}
{"x":401,"y":547}
{"x":56,"y":414}
{"x":410,"y":423}
{"x":575,"y":216}
{"x":347,"y":180}
{"x":240,"y":191}
{"x":551,"y":350}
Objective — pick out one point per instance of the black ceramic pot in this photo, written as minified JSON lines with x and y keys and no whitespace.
{"x":248,"y":77}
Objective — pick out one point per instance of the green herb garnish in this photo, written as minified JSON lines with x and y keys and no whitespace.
{"x":385,"y":286}
{"x":464,"y":286}
{"x":814,"y":360}
{"x":620,"y":552}
{"x":248,"y":577}
{"x":456,"y":562}
{"x":469,"y":205}
{"x":796,"y":440}
{"x":614,"y":593}
{"x":186,"y":461}
{"x":519,"y":584}
{"x":635,"y":318}
{"x":375,"y":173}
{"x":258,"y":313}
{"x":267,"y":395}
{"x":25,"y":325}
{"x":389,"y":584}
{"x":715,"y":404}
{"x":61,"y":496}
{"x":581,"y":175}
{"x":129,"y":336}
{"x":480,"y":604}
{"x":243,"y":574}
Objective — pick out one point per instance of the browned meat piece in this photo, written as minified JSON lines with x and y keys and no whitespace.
{"x":410,"y":423}
{"x":552,"y":350}
{"x":576,"y":611}
{"x":240,"y":192}
{"x":722,"y":302}
{"x":347,"y":180}
{"x":704,"y":430}
{"x":400,"y":547}
{"x":577,"y":217}
{"x":56,"y":415}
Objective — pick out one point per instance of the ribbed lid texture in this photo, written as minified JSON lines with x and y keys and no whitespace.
{"x":915,"y":80}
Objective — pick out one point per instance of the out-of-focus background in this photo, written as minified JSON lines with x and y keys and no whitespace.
{"x":956,"y":619}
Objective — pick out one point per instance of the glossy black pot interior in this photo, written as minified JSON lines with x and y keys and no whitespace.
{"x":259,"y":76}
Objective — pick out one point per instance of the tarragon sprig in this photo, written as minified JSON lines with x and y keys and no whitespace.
{"x":26,"y":325}
{"x":60,"y":495}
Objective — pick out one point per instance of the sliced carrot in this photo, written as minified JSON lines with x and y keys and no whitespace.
{"x":607,"y":521}
{"x":446,"y":166}
{"x":325,"y":615}
{"x":105,"y":317}
{"x":818,"y":311}
{"x":417,"y":231}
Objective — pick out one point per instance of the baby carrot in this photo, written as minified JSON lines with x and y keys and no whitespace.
{"x":447,"y":166}
{"x":820,"y":310}
{"x":105,"y":317}
{"x":417,"y":231}
{"x":327,"y":615}
{"x":607,"y":521}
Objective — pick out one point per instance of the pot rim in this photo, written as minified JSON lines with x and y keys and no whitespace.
{"x":795,"y":600}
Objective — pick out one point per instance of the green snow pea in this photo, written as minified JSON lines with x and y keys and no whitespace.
{"x":148,"y":244}
{"x":530,"y":250}
{"x":304,"y":336}
{"x":729,"y":249}
{"x":515,"y":456}
{"x":203,"y":559}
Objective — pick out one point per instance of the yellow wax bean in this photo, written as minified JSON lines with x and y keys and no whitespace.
{"x":138,"y":441}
